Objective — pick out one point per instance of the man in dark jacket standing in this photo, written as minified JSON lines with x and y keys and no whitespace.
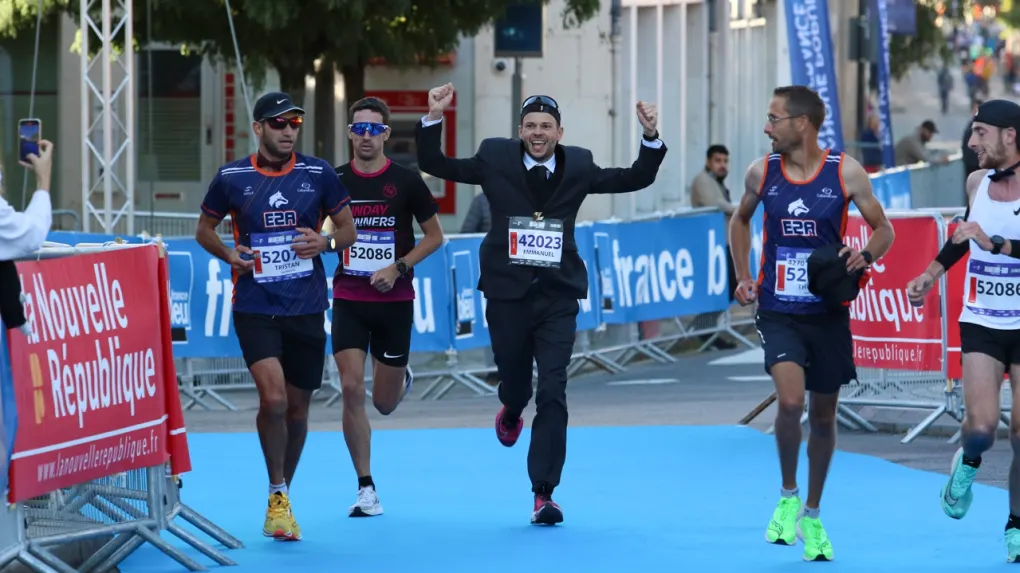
{"x":531,"y":274}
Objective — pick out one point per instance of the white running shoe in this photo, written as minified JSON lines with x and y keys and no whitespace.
{"x":367,"y":504}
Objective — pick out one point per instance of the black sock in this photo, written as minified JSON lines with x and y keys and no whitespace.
{"x":974,"y":463}
{"x":543,"y":489}
{"x":366,"y":481}
{"x":1013,"y":522}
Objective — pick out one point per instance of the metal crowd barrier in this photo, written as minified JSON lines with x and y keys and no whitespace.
{"x":128,"y":508}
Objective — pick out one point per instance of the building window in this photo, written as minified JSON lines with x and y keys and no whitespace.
{"x":173,"y":149}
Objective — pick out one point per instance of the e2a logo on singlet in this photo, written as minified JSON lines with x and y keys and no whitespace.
{"x":278,"y":217}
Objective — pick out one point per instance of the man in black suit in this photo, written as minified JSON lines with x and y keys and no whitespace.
{"x":531,"y":274}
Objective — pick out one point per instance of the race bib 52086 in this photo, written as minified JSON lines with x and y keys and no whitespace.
{"x":993,"y":289}
{"x":792,"y":275}
{"x":275,"y":259}
{"x":536,"y":243}
{"x":373,"y":251}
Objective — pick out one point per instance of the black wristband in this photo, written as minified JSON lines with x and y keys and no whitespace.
{"x":868,"y":257}
{"x":1014,"y":248}
{"x":652,"y":138}
{"x":951,"y":253}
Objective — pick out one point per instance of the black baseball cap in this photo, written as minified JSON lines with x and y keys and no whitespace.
{"x":274,"y":104}
{"x":828,"y":279}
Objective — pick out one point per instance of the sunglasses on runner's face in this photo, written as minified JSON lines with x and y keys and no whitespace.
{"x":545,"y":100}
{"x":368,"y":128}
{"x":280,"y":123}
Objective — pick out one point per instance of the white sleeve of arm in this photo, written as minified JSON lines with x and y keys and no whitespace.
{"x":426,"y":122}
{"x":21,"y":234}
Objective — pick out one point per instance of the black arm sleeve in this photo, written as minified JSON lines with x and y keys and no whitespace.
{"x":951,"y":253}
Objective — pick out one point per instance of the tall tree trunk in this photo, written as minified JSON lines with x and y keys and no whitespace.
{"x":354,"y":89}
{"x":292,"y":82}
{"x":325,"y":111}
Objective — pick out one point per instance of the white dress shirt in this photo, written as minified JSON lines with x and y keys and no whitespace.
{"x":21,"y":234}
{"x":550,"y":163}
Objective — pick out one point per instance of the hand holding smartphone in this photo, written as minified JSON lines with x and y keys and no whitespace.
{"x":29,"y":135}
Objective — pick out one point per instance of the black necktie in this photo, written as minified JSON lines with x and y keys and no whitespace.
{"x":541,"y":171}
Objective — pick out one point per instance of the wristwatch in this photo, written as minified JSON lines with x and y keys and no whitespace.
{"x":868,"y":257}
{"x":997,"y":244}
{"x":402,"y":267}
{"x":331,"y":245}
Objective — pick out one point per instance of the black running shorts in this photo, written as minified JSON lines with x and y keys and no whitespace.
{"x":382,"y":327}
{"x":820,"y":343}
{"x":1002,"y":345}
{"x":298,"y":342}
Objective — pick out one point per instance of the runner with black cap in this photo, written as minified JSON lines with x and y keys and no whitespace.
{"x":990,"y":320}
{"x":806,"y":192}
{"x":277,"y":200}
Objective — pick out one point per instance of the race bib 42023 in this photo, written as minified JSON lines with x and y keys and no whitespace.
{"x":275,"y":259}
{"x":536,"y":243}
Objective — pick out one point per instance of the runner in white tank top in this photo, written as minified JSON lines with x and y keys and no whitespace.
{"x":990,"y":321}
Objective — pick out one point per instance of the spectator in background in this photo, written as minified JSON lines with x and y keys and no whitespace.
{"x":22,"y":234}
{"x":913,"y":148}
{"x":478,"y":218}
{"x":709,"y":190}
{"x":945,"y":80}
{"x":871,"y":144}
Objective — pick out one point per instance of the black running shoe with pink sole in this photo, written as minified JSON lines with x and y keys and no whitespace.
{"x":508,"y":431}
{"x":546,"y":512}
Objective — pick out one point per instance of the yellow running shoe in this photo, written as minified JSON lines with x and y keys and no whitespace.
{"x":280,"y":523}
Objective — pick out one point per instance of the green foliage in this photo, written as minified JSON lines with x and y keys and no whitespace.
{"x":291,"y":36}
{"x":927,"y":48}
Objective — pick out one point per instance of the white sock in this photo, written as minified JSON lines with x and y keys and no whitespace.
{"x":790,"y":492}
{"x":282,"y":488}
{"x":812,"y":512}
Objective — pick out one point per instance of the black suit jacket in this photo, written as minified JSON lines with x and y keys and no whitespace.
{"x":498,"y":168}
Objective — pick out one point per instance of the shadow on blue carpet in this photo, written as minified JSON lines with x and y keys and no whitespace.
{"x":636,"y":500}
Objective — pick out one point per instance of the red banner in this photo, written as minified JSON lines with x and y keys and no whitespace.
{"x":177,"y":439}
{"x":92,"y":381}
{"x":888,"y":331}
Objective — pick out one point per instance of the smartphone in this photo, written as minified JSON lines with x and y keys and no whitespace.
{"x":29,"y":134}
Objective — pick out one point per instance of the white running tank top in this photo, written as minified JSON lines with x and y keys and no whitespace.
{"x":991,"y":292}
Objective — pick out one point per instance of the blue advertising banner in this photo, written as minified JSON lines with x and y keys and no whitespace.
{"x":667,"y":267}
{"x":8,"y":409}
{"x":588,"y":317}
{"x":811,"y":62}
{"x":880,"y":11}
{"x":903,"y":16}
{"x":757,"y":240}
{"x":470,"y":329}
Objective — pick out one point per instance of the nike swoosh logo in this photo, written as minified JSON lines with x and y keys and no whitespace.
{"x":278,"y":102}
{"x":388,"y":355}
{"x":1017,"y":211}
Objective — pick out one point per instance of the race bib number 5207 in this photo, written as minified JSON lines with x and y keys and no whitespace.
{"x":536,"y":243}
{"x":275,"y":259}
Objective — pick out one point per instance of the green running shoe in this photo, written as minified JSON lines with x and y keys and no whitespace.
{"x":956,"y":494}
{"x":1013,"y":546}
{"x":816,"y":541}
{"x":783,"y":527}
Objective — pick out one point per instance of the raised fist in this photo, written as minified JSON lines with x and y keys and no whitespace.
{"x":648,"y":115}
{"x":439,"y":99}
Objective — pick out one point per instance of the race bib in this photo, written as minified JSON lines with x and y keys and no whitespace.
{"x":275,"y":260}
{"x":993,"y":289}
{"x":536,"y":243}
{"x":373,"y":251}
{"x":792,"y":276}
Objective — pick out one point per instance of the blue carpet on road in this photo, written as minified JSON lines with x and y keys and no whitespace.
{"x":640,"y":499}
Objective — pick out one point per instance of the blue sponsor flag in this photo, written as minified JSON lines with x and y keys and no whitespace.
{"x":811,"y":62}
{"x":881,"y":12}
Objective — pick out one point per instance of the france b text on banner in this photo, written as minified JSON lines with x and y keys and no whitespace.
{"x":177,"y":437}
{"x":668,"y":267}
{"x":93,"y":401}
{"x":811,"y":62}
{"x":888,"y":331}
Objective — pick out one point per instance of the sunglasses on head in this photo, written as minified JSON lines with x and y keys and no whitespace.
{"x":368,"y":128}
{"x":280,"y":123}
{"x":545,"y":100}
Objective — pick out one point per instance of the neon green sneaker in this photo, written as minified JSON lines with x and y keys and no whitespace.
{"x":816,"y":541}
{"x":783,"y":527}
{"x":956,"y":494}
{"x":1013,"y":546}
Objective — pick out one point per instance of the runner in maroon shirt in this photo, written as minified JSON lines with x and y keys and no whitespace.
{"x":373,"y":297}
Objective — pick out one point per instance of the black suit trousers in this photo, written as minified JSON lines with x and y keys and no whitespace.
{"x":537,"y":328}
